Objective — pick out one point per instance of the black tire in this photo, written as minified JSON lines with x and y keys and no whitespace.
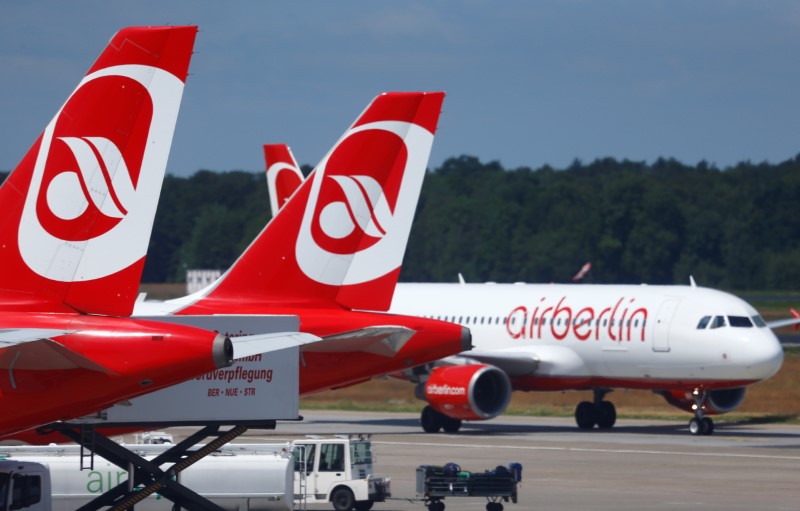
{"x":342,"y":499}
{"x":708,"y":426}
{"x":450,"y":425}
{"x":607,"y":415}
{"x":431,"y":420}
{"x":363,"y":505}
{"x":436,"y":506}
{"x":696,"y":426}
{"x":586,"y":415}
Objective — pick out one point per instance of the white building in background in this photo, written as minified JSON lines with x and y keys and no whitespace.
{"x":198,"y":279}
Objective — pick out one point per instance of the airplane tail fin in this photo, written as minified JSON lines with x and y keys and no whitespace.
{"x":79,"y":207}
{"x":283,"y":175}
{"x":341,"y":237}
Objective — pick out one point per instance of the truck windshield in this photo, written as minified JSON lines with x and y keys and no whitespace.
{"x":360,"y":453}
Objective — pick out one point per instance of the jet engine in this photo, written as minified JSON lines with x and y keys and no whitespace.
{"x":717,"y":401}
{"x":468,"y":392}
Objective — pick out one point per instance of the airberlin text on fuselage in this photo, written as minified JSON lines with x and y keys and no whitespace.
{"x":620,"y":321}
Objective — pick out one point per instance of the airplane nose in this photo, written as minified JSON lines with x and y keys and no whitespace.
{"x":765,"y":355}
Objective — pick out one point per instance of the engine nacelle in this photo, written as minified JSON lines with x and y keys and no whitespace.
{"x":717,"y":401}
{"x":469,"y":392}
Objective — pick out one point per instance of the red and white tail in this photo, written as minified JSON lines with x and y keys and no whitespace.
{"x":79,"y":208}
{"x":283,"y":175}
{"x":341,"y":237}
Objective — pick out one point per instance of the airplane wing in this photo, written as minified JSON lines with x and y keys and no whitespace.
{"x":783,"y":322}
{"x":34,"y":349}
{"x":794,"y":320}
{"x":379,"y":340}
{"x":249,"y":345}
{"x":513,"y":363}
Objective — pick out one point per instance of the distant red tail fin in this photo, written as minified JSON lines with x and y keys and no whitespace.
{"x":283,"y":175}
{"x":795,"y":315}
{"x":79,"y":208}
{"x":341,"y":237}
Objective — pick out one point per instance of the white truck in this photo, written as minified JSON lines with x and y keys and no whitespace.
{"x":238,"y":477}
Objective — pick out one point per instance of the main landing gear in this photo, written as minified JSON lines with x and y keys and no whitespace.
{"x":598,"y":413}
{"x":432,"y":421}
{"x":700,"y":424}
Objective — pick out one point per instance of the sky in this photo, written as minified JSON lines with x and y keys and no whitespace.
{"x":528,"y":83}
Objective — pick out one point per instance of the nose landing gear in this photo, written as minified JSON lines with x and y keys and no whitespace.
{"x":700,"y":424}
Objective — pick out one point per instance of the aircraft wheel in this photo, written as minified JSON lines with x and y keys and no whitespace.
{"x":494,"y":506}
{"x":708,"y":426}
{"x":450,"y":425}
{"x":696,"y":426}
{"x":585,"y":415}
{"x":431,"y":420}
{"x":607,"y":415}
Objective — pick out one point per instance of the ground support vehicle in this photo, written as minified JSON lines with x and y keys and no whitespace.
{"x":234,"y":477}
{"x":338,"y":470}
{"x":434,"y":483}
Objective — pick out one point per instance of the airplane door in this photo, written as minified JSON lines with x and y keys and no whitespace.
{"x":663,"y":322}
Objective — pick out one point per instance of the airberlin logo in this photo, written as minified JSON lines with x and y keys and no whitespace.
{"x":98,"y":173}
{"x":101,"y":184}
{"x":364,"y":207}
{"x":361,"y":203}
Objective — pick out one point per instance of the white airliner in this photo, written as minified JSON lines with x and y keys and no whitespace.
{"x":697,"y":347}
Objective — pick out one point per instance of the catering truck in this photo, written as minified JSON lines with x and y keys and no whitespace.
{"x":237,"y":477}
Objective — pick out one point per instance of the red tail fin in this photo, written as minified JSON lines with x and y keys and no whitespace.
{"x":80,"y":206}
{"x":341,"y":237}
{"x":283,"y":175}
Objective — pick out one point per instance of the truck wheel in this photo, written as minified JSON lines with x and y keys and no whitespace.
{"x":363,"y":505}
{"x":342,"y":499}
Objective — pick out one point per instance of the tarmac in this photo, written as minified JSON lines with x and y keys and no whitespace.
{"x":638,"y":464}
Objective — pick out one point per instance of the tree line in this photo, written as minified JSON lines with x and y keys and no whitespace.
{"x":734,"y":228}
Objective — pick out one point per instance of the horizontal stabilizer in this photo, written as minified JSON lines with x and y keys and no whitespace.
{"x":378,"y":340}
{"x":249,"y":345}
{"x":33,"y":350}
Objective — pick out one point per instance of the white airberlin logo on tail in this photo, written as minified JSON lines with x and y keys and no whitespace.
{"x":102,"y":179}
{"x":362,"y":193}
{"x":66,"y":189}
{"x":366,"y":208}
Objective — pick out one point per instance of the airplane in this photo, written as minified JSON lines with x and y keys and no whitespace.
{"x":338,"y":246}
{"x":699,"y":348}
{"x":77,"y":216}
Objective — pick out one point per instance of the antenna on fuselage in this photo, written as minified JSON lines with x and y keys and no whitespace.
{"x":692,"y":282}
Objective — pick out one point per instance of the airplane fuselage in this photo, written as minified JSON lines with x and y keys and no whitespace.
{"x":589,"y":336}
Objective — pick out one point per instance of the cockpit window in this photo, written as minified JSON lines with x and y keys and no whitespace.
{"x":759,"y":321}
{"x":703,"y":322}
{"x":740,"y":321}
{"x":718,"y":321}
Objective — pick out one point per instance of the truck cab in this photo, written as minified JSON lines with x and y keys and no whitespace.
{"x":24,"y":486}
{"x":338,"y":470}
